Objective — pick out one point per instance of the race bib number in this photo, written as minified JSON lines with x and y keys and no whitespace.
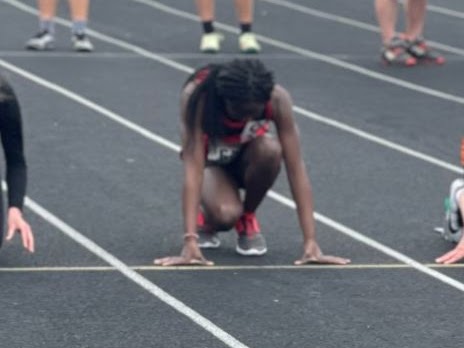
{"x":222,"y":153}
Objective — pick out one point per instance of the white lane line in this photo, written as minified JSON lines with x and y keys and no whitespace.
{"x":308,"y":114}
{"x":352,"y":22}
{"x":267,"y":268}
{"x":134,"y":276}
{"x":316,"y":56}
{"x":52,"y":54}
{"x":446,"y":11}
{"x":272,"y":194}
{"x":380,"y":141}
{"x":276,"y":43}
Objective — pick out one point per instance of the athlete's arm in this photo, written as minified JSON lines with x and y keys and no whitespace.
{"x":12,"y":142}
{"x":193,"y":157}
{"x":458,"y":252}
{"x":298,"y":178}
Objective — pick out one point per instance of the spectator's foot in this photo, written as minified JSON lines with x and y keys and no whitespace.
{"x":419,"y":49}
{"x":81,"y":43}
{"x":395,"y":52}
{"x":211,"y":42}
{"x":42,"y":41}
{"x":248,"y":43}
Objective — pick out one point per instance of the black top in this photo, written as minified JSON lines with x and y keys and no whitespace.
{"x":12,"y":141}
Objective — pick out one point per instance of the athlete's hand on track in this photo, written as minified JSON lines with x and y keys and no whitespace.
{"x":313,"y":254}
{"x":452,"y":256}
{"x":191,"y":255}
{"x":16,"y":223}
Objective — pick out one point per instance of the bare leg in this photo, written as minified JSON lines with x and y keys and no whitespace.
{"x":79,"y":9}
{"x":386,"y":11}
{"x":220,"y":199}
{"x":47,"y":9}
{"x":415,"y":18}
{"x":205,"y":10}
{"x":260,"y":167}
{"x":244,"y":10}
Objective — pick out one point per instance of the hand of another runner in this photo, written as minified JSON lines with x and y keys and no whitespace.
{"x":313,"y":254}
{"x":191,"y":255}
{"x":16,"y":223}
{"x":452,"y":256}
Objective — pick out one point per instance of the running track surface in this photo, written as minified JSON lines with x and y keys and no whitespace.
{"x":101,"y":132}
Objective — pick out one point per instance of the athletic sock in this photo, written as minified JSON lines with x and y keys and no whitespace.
{"x":208,"y":27}
{"x":79,"y":27}
{"x":47,"y":25}
{"x":245,"y":27}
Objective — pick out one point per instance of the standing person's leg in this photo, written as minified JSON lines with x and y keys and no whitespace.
{"x":258,"y":168}
{"x":79,"y":14}
{"x":394,"y":50}
{"x":247,"y":40}
{"x":387,"y":12}
{"x":44,"y":39}
{"x":415,"y":20}
{"x":221,"y":205}
{"x":210,"y":40}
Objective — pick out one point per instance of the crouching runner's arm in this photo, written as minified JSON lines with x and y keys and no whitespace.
{"x":298,"y":179}
{"x":194,"y":161}
{"x":458,"y":252}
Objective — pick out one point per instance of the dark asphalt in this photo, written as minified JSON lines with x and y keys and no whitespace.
{"x":122,"y":190}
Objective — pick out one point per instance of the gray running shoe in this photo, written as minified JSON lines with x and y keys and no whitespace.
{"x":208,"y":240}
{"x":81,"y":43}
{"x":251,"y":245}
{"x":42,"y":41}
{"x":250,"y":240}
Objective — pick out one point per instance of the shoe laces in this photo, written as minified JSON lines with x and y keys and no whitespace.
{"x":80,"y":36}
{"x":41,"y":34}
{"x":248,"y":224}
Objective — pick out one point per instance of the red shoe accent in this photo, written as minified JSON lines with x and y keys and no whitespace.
{"x":440,"y":60}
{"x":248,"y":224}
{"x":200,"y":219}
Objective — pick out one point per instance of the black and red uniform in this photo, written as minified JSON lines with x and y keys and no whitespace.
{"x":226,"y":149}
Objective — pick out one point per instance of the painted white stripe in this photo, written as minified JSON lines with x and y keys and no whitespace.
{"x":317,"y":56}
{"x":299,"y":110}
{"x":274,"y":195}
{"x":234,"y":268}
{"x":353,"y":23}
{"x":134,"y":276}
{"x":378,"y":140}
{"x":446,"y":11}
{"x":54,"y":54}
{"x":372,"y":243}
{"x":91,"y":105}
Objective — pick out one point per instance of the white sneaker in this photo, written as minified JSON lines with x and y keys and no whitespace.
{"x":211,"y":42}
{"x":248,"y":43}
{"x":42,"y":41}
{"x":81,"y":43}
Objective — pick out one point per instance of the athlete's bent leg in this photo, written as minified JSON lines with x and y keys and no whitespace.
{"x":220,"y":199}
{"x":260,"y":166}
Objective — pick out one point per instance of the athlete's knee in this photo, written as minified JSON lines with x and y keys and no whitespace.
{"x":269,"y":151}
{"x":223,"y":216}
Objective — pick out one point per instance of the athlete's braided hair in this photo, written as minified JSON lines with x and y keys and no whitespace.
{"x":239,"y":81}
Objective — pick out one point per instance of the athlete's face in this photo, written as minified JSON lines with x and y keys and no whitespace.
{"x":243,"y":111}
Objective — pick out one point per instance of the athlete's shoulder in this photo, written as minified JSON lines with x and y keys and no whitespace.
{"x":280,"y":99}
{"x":280,"y":94}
